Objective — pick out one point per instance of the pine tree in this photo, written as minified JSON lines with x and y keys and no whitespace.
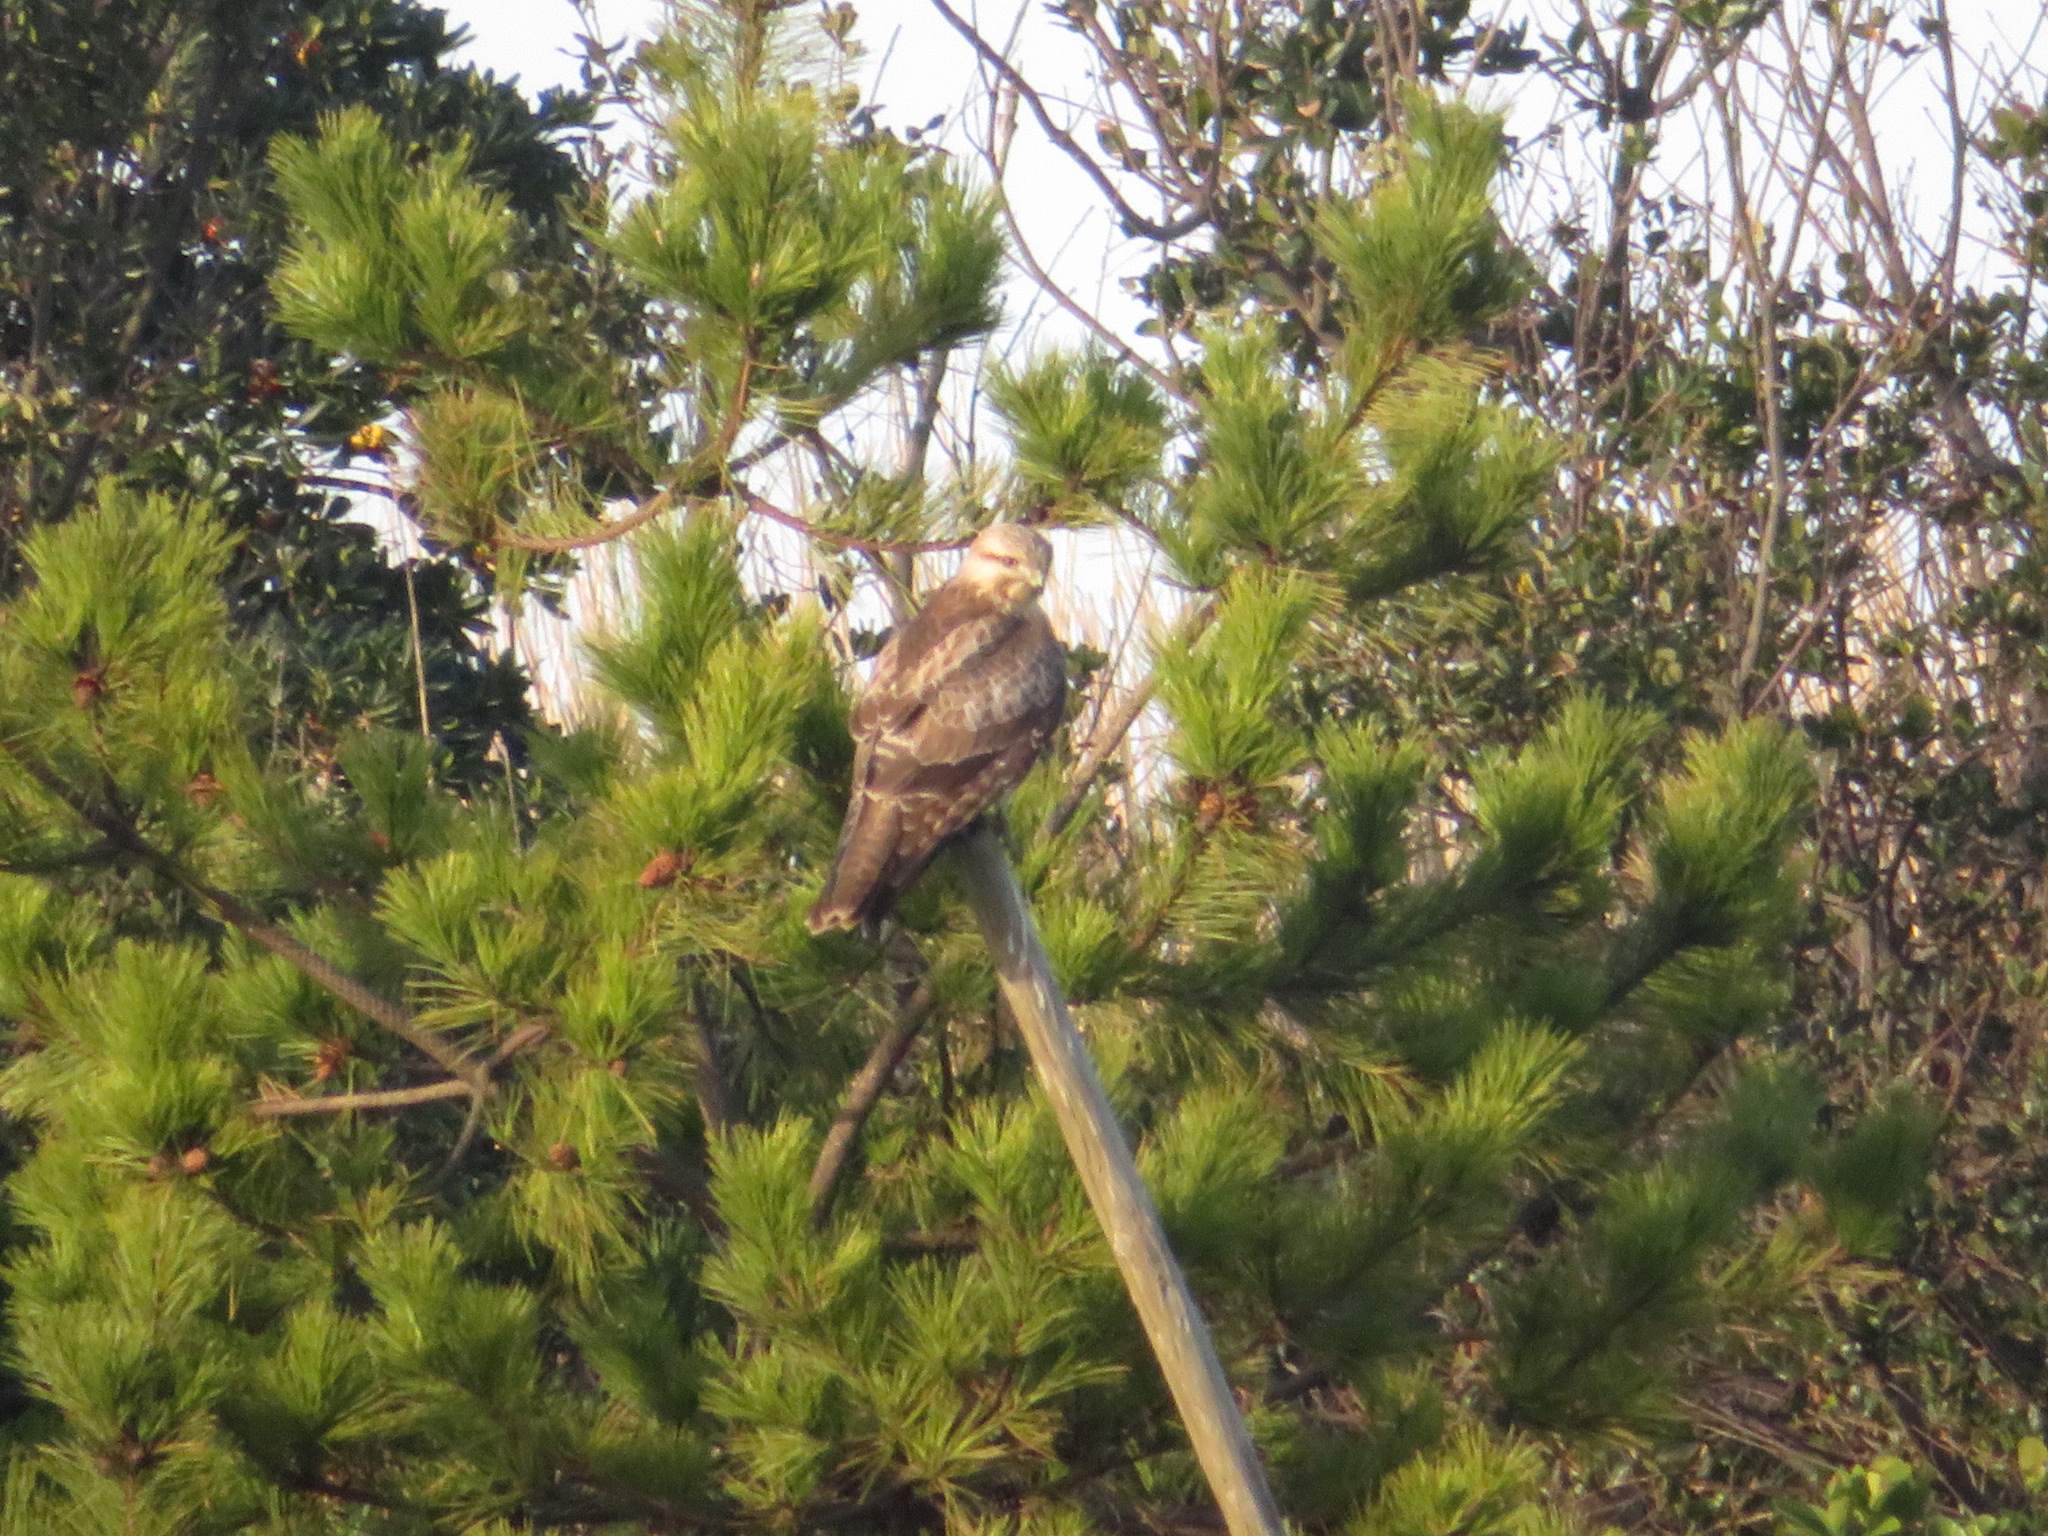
{"x":406,"y":1159}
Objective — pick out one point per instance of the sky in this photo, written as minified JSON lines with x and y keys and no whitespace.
{"x":916,"y":68}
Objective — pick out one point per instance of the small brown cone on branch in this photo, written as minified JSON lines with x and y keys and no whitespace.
{"x":665,"y":867}
{"x":329,"y":1059}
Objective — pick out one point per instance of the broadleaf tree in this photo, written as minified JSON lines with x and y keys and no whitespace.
{"x":139,"y":226}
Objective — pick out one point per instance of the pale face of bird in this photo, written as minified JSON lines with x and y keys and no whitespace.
{"x":1009,"y":562}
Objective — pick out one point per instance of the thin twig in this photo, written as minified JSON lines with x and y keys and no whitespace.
{"x":1134,"y":221}
{"x":1020,"y":252}
{"x":603,"y":533}
{"x":652,"y":508}
{"x":472,"y":1124}
{"x":1765,"y":284}
{"x":1110,"y":734}
{"x":387,"y":491}
{"x":419,"y":657}
{"x":775,"y":514}
{"x":1101,"y":747}
{"x":283,"y":1106}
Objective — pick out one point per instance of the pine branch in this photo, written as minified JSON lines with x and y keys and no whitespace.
{"x":119,"y":830}
{"x":101,"y":852}
{"x":709,"y":480}
{"x":706,"y":489}
{"x":714,"y":1094}
{"x":329,"y":978}
{"x":1189,"y":852}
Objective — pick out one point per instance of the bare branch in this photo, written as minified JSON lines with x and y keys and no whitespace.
{"x":1134,"y":221}
{"x":1180,"y":1340}
{"x":603,"y":533}
{"x":1020,"y":249}
{"x":343,"y":1103}
{"x":1108,"y":737}
{"x":775,"y":514}
{"x":282,"y":1107}
{"x":1110,"y":733}
{"x":862,"y":1094}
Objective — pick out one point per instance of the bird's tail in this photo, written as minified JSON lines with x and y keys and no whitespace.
{"x":857,"y":893}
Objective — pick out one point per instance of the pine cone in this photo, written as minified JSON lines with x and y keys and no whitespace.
{"x":665,"y":867}
{"x":329,"y":1059}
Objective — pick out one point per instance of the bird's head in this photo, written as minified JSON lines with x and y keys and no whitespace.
{"x":1009,"y":562}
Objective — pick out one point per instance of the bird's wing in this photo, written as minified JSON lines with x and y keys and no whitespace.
{"x":951,"y":638}
{"x":963,"y":701}
{"x":965,"y":719}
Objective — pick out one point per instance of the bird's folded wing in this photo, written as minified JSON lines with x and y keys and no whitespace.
{"x":953,"y":641}
{"x":962,"y":703}
{"x":963,"y":724}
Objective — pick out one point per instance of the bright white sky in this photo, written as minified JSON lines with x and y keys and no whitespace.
{"x":917,"y":68}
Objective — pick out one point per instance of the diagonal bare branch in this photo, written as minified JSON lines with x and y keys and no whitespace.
{"x":862,"y":1094}
{"x":1136,"y":222}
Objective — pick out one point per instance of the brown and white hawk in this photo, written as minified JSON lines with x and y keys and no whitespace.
{"x":963,"y":700}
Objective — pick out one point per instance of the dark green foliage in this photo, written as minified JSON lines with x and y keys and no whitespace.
{"x":1773,"y":502}
{"x":1885,"y":1496}
{"x":137,"y":233}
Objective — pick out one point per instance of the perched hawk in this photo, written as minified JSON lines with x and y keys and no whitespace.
{"x":963,"y":700}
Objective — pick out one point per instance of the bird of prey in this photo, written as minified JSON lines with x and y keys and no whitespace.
{"x":963,"y":700}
